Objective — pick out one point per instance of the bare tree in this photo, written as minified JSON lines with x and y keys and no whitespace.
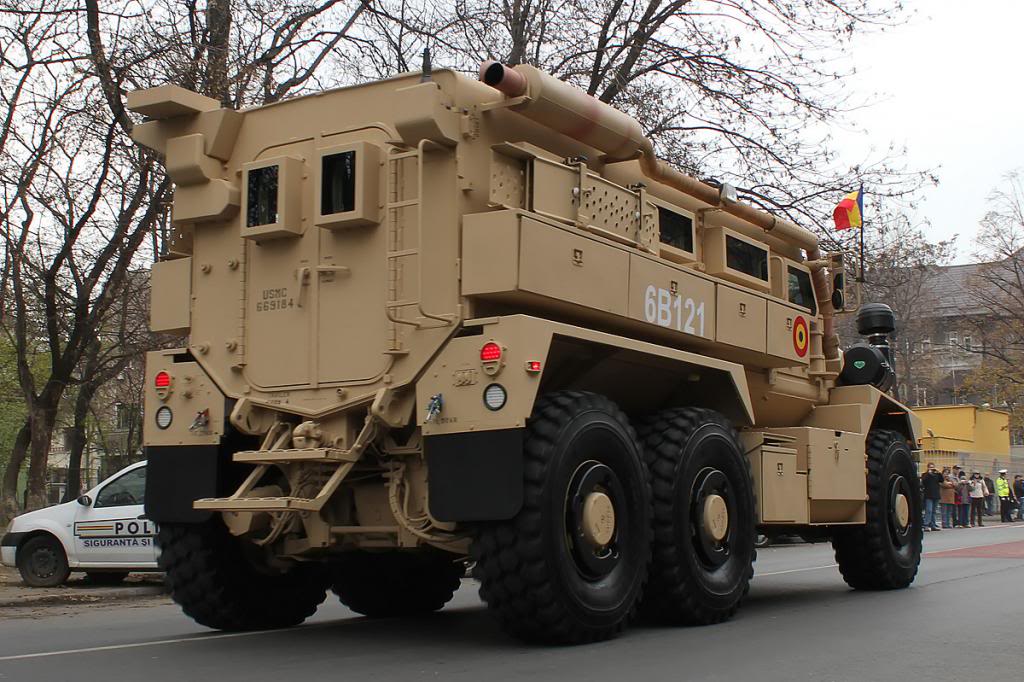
{"x":734,"y":90}
{"x":998,"y":291}
{"x":80,"y":198}
{"x":901,"y":267}
{"x":738,"y":90}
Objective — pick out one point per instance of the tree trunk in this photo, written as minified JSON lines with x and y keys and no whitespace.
{"x":218,"y":22}
{"x":9,"y":491}
{"x":78,"y":441}
{"x":44,"y":416}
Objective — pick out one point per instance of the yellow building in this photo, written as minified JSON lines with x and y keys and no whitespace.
{"x":976,"y":438}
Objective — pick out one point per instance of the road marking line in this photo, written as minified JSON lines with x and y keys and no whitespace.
{"x":135,"y":645}
{"x":792,"y":570}
{"x":232,"y":635}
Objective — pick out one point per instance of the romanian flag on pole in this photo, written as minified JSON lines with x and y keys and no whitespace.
{"x":850,"y":211}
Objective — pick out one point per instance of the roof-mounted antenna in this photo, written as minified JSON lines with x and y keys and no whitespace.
{"x":427,"y":69}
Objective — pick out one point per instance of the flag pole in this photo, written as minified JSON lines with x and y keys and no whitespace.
{"x":860,"y":201}
{"x":860,"y":270}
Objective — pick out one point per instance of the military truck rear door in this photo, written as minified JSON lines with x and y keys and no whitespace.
{"x":355,"y":230}
{"x":281,"y":252}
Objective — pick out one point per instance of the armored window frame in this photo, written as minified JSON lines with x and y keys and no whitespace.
{"x":674,"y":249}
{"x":364,"y":194}
{"x":718,"y":264}
{"x":804,"y":288}
{"x":287,"y":218}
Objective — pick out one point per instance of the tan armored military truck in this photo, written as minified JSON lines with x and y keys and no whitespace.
{"x":435,"y":320}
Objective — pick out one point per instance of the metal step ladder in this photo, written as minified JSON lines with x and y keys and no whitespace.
{"x":396,"y":204}
{"x":332,"y":466}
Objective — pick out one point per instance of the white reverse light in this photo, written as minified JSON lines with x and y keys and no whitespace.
{"x":164,"y":417}
{"x":495,"y":397}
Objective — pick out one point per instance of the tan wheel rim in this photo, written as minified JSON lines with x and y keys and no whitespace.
{"x":716,"y":517}
{"x":902,"y":510}
{"x":598,"y":519}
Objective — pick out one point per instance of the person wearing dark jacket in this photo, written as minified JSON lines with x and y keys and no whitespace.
{"x":931,"y":485}
{"x":1018,"y":490}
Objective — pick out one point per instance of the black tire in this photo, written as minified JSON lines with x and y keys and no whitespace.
{"x":106,"y":577}
{"x":882,"y":554}
{"x":540,"y":573}
{"x":218,"y":585}
{"x":694,"y":453}
{"x":386,"y":584}
{"x":43,"y":562}
{"x":761,"y":541}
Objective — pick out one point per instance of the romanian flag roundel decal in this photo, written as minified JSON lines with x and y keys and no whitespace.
{"x":801,"y":337}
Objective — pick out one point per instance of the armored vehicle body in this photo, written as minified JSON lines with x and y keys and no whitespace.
{"x":435,"y":320}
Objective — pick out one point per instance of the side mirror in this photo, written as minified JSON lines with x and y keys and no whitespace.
{"x":85,"y":500}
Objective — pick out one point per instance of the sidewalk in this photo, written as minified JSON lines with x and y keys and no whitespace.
{"x":78,"y":590}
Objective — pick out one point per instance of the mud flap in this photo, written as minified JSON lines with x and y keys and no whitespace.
{"x":177,"y":476}
{"x":475,"y":476}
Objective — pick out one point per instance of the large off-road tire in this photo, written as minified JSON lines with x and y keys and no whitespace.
{"x":220,"y":586}
{"x":43,"y":562}
{"x":885,"y":552}
{"x":393,"y":583}
{"x":546,"y":575}
{"x":702,"y":561}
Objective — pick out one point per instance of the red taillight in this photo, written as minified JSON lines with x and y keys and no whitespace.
{"x":533,"y":366}
{"x":490,"y":352}
{"x":162,"y":380}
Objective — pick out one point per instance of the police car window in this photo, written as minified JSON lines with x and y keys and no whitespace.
{"x":125,"y":490}
{"x":800,"y":290}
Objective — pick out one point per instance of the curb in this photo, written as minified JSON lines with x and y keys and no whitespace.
{"x":91,"y":597}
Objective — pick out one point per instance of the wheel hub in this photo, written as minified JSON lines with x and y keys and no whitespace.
{"x":44,"y":563}
{"x":710,"y":502}
{"x":598,"y":519}
{"x":902,"y":510}
{"x":716,"y":517}
{"x":592,"y":519}
{"x":899,"y":512}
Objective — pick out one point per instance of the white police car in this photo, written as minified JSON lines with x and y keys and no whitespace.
{"x":104,"y":533}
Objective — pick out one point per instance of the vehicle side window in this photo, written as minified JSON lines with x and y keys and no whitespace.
{"x":676,"y":229}
{"x":800,"y":290}
{"x":747,"y":258}
{"x":124,"y":490}
{"x":262,"y":208}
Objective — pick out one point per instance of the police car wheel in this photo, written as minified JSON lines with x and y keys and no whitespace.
{"x":42,"y":562}
{"x":106,"y":577}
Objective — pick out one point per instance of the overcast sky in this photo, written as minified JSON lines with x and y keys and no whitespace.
{"x":950,"y":89}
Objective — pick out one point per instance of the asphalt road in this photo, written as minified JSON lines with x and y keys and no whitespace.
{"x":961,"y":620}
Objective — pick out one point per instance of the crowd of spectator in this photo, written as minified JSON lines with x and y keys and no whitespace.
{"x":955,"y":499}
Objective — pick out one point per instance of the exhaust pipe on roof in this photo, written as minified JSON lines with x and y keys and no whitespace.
{"x":567,"y":110}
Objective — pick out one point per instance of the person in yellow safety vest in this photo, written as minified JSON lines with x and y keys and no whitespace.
{"x":1005,"y":495}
